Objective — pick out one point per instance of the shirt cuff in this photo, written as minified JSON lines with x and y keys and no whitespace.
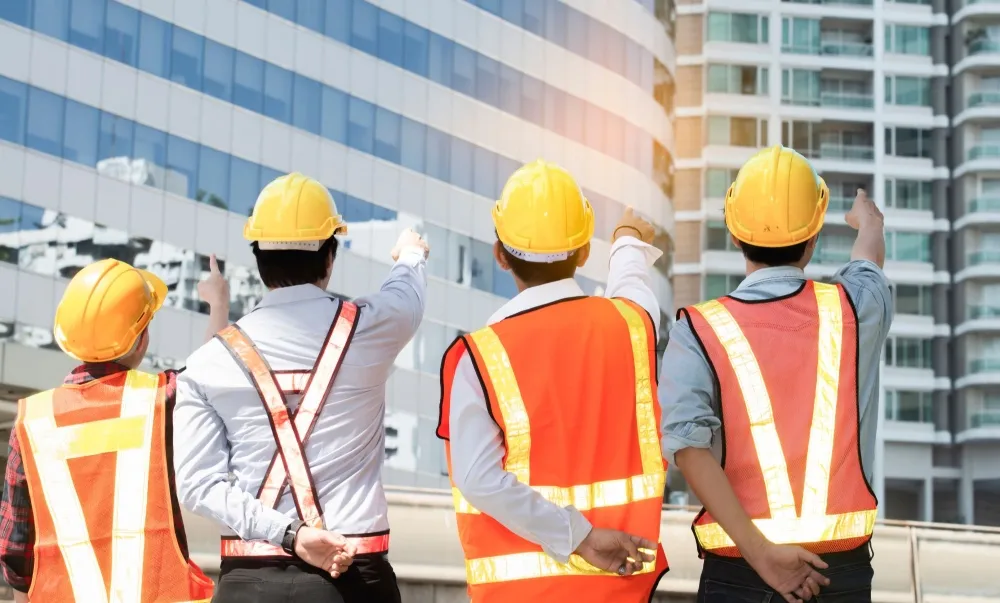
{"x":651,"y":253}
{"x":276,"y":532}
{"x":579,"y":529}
{"x":411,"y":255}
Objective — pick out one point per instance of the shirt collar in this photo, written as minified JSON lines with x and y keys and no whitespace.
{"x":296,"y":293}
{"x":534,"y":297}
{"x":87,"y":372}
{"x":774,"y":273}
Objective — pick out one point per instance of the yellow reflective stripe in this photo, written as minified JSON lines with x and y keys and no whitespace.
{"x":517,"y":430}
{"x":524,"y":566}
{"x":758,"y":403}
{"x":131,"y":492}
{"x":97,"y":437}
{"x":795,"y":530}
{"x":645,"y":415}
{"x":609,"y":493}
{"x":824,"y":419}
{"x":63,"y":505}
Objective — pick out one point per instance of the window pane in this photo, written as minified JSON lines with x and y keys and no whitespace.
{"x":718,"y":78}
{"x":338,"y":19}
{"x":283,"y":8}
{"x":415,"y":42}
{"x":16,"y":11}
{"x":218,"y":70}
{"x":45,"y":122}
{"x":243,"y":189}
{"x":487,"y":74}
{"x":718,"y":130}
{"x":267,"y":176}
{"x":387,"y":135}
{"x":463,"y":74}
{"x":576,"y":27}
{"x":52,"y":18}
{"x":441,"y":51}
{"x":334,"y":124}
{"x":277,"y":93}
{"x":115,"y":139}
{"x":13,"y":110}
{"x":461,"y":163}
{"x":510,"y":90}
{"x":248,"y":83}
{"x":438,"y":155}
{"x":154,"y":46}
{"x":531,"y":100}
{"x":80,"y":138}
{"x":503,"y":282}
{"x":182,"y":160}
{"x":555,"y":22}
{"x":186,"y":58}
{"x":151,"y":146}
{"x":486,"y":174}
{"x":534,"y":17}
{"x":311,"y":14}
{"x":554,"y":104}
{"x":213,"y":178}
{"x":414,"y":144}
{"x":308,"y":100}
{"x":86,"y":26}
{"x":390,"y":38}
{"x":364,"y":26}
{"x":360,"y":125}
{"x":481,"y":265}
{"x":120,"y":33}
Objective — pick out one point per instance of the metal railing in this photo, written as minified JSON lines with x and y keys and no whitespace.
{"x":983,"y":311}
{"x":984,"y":204}
{"x":985,"y":365}
{"x":983,"y":99}
{"x":988,"y":256}
{"x":984,"y":418}
{"x":984,"y":151}
{"x":984,"y":45}
{"x":845,"y":99}
{"x":831,"y":255}
{"x":849,"y":2}
{"x":840,"y":204}
{"x":852,"y":152}
{"x":846,"y":49}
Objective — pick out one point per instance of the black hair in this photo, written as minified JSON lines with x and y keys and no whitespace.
{"x":774,"y":256}
{"x":290,"y":267}
{"x":539,"y":273}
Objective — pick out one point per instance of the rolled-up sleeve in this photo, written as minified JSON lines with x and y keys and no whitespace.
{"x":868,"y":288}
{"x":629,"y":275}
{"x":687,"y":394}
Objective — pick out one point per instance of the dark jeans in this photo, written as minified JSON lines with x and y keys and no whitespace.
{"x":732,"y":580}
{"x":369,"y":580}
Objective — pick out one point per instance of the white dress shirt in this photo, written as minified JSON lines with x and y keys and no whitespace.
{"x":477,"y":444}
{"x":221,"y":427}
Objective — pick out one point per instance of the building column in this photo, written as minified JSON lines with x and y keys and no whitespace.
{"x":927,"y":510}
{"x":966,"y":499}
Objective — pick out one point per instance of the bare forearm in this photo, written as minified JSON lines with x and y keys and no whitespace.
{"x":20,"y":597}
{"x":870,"y":244}
{"x":710,"y":484}
{"x":218,"y":319}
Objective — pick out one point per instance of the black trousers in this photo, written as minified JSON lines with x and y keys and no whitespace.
{"x":732,"y":580}
{"x":369,"y":580}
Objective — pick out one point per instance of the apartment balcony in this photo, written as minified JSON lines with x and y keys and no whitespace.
{"x":980,"y":158}
{"x":980,"y":318}
{"x":840,"y":204}
{"x":831,"y":255}
{"x":984,"y":365}
{"x":984,"y":418}
{"x":979,"y":107}
{"x":980,"y":210}
{"x":848,"y":152}
{"x":983,"y":99}
{"x":989,"y":256}
{"x":833,"y":2}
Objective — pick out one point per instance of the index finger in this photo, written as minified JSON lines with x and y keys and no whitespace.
{"x":213,"y":264}
{"x":644,"y":543}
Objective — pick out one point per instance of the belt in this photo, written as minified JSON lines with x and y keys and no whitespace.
{"x":233,"y":546}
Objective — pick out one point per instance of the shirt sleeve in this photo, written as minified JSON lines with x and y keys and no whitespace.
{"x":687,"y":394}
{"x":629,"y":277}
{"x":394,"y":313}
{"x":868,"y":288}
{"x":201,"y":464}
{"x":17,"y":524}
{"x":477,"y":469}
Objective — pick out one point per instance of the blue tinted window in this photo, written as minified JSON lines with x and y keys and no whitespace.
{"x":383,"y":214}
{"x":513,"y":11}
{"x":120,"y":33}
{"x":45,"y":122}
{"x":154,"y":46}
{"x":338,"y":20}
{"x":492,"y":6}
{"x":438,"y":155}
{"x":213,"y":178}
{"x":258,"y":3}
{"x":311,"y":14}
{"x":277,"y":93}
{"x":505,"y":168}
{"x":534,"y":17}
{"x":510,"y":90}
{"x":364,"y":26}
{"x":115,"y":138}
{"x":283,"y":8}
{"x":10,"y":216}
{"x":86,"y":25}
{"x":360,"y":124}
{"x":461,"y":163}
{"x":186,"y":58}
{"x":244,"y":180}
{"x":219,"y":67}
{"x":503,"y":282}
{"x":554,"y":105}
{"x":16,"y":11}
{"x":531,"y":100}
{"x":182,"y":160}
{"x":556,"y":22}
{"x":390,"y":38}
{"x":415,"y":41}
{"x":334,"y":115}
{"x":463,"y":73}
{"x":248,"y":83}
{"x":52,"y":18}
{"x":387,"y":144}
{"x":357,"y":210}
{"x":151,"y":145}
{"x":80,"y":137}
{"x":13,"y":108}
{"x":487,"y":80}
{"x":576,"y":32}
{"x":481,"y":265}
{"x":414,"y":145}
{"x":485,"y":173}
{"x":440,"y":62}
{"x":597,"y":39}
{"x":267,"y":175}
{"x":308,"y":99}
{"x":575,"y":118}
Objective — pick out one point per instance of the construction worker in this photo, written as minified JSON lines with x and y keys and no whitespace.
{"x":549,"y":415}
{"x":267,"y":402}
{"x":787,"y":368}
{"x":89,"y":512}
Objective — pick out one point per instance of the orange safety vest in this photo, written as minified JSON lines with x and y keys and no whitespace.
{"x":98,"y":475}
{"x":795,"y":466}
{"x":571,"y":387}
{"x":291,"y":429}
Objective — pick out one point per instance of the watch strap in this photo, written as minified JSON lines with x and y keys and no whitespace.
{"x":288,"y":542}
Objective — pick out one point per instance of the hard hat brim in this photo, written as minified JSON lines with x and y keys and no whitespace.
{"x":157,"y":288}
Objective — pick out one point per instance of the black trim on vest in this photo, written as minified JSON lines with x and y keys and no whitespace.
{"x":857,"y":387}
{"x":770,"y":299}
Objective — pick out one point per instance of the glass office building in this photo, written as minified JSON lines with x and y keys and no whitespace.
{"x":144,"y":129}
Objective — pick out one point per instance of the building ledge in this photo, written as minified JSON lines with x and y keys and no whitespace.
{"x":978,"y":434}
{"x":914,"y":433}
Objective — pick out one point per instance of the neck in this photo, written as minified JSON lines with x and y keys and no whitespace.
{"x":754,"y":267}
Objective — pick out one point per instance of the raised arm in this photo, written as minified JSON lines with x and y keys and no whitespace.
{"x":867,"y":219}
{"x":631,"y":257}
{"x":214,"y":290}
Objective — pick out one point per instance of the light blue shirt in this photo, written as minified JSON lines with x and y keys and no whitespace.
{"x":688,"y":395}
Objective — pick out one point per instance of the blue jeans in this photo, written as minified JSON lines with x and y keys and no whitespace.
{"x":732,"y":580}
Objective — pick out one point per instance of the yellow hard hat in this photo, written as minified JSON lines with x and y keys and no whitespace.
{"x":294,"y":212}
{"x":105,"y":309}
{"x":542,"y":213}
{"x":778,"y":200}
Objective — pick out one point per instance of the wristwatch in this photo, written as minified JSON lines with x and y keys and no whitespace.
{"x":288,"y":541}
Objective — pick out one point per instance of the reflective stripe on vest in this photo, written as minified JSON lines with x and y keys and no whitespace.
{"x":785,"y":525}
{"x":517,"y":434}
{"x":130,"y":437}
{"x":234,"y":547}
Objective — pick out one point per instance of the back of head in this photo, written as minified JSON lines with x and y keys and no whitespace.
{"x":105,"y":309}
{"x":542,"y":221}
{"x":292,"y":231}
{"x":776,"y":205}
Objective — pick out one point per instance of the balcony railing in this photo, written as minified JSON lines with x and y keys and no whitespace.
{"x":840,"y":99}
{"x":971,"y":2}
{"x":852,"y":152}
{"x":984,"y":418}
{"x":983,"y":311}
{"x":840,"y":204}
{"x":985,"y":365}
{"x":984,"y":151}
{"x":989,"y":256}
{"x":984,"y":45}
{"x":984,"y":204}
{"x":984,"y":99}
{"x":851,"y":2}
{"x":845,"y":49}
{"x":831,"y":255}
